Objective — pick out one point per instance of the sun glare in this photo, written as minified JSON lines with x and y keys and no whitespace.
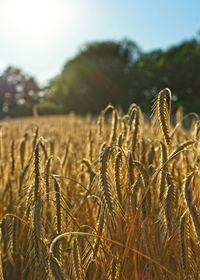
{"x":33,"y":21}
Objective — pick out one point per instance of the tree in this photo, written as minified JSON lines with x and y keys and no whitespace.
{"x":119,"y":73}
{"x":176,"y":68}
{"x":101,"y":73}
{"x":18,"y":92}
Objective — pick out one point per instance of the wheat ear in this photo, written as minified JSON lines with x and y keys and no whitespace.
{"x":162,"y":112}
{"x":104,"y":181}
{"x":190,"y":204}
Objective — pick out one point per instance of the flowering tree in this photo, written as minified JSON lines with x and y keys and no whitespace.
{"x":18,"y":92}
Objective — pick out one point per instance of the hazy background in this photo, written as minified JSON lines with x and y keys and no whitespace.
{"x":40,"y":35}
{"x":58,"y":56}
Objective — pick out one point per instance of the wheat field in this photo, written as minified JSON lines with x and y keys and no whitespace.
{"x":115,"y":197}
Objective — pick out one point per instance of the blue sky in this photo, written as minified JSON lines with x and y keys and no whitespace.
{"x":40,"y":35}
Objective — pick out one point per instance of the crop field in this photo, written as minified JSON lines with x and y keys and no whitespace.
{"x":113,"y":197}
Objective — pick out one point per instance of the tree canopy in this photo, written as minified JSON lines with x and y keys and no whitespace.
{"x":176,"y":68}
{"x":120,"y":73}
{"x":18,"y":92}
{"x":116,"y":72}
{"x":99,"y":74}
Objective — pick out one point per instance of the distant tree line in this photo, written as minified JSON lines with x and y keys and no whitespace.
{"x":108,"y":72}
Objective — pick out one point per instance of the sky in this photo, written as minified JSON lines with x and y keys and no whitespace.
{"x":39,"y":36}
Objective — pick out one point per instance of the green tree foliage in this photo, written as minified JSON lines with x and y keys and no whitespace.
{"x":101,"y":73}
{"x":176,"y":68}
{"x":108,"y":72}
{"x":119,"y":73}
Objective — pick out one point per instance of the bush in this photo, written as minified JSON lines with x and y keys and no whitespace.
{"x":48,"y":108}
